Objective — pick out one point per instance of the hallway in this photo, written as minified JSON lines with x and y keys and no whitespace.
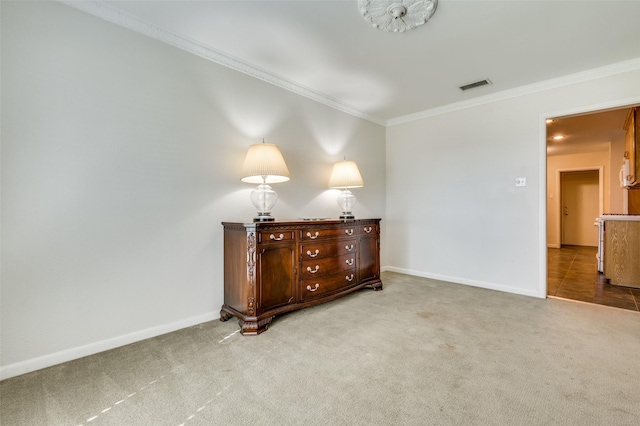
{"x":572,"y":274}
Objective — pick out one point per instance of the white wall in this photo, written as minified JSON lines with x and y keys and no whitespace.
{"x":120,"y":158}
{"x":453,"y":211}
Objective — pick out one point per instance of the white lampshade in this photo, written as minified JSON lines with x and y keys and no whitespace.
{"x":345,"y":174}
{"x":264,"y":164}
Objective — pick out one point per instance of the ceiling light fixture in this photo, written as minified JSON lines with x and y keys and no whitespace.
{"x":397,"y":15}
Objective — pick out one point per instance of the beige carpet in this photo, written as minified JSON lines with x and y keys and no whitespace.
{"x":420,"y":352}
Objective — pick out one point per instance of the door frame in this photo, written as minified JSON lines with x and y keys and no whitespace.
{"x":542,"y":175}
{"x":558,"y":207}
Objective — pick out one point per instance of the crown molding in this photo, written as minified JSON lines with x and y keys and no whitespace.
{"x":123,"y":19}
{"x":555,"y":83}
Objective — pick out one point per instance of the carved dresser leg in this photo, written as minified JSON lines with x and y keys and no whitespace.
{"x":248,"y":328}
{"x":224,"y":315}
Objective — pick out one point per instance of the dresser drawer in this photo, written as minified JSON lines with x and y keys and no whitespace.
{"x":322,"y":233}
{"x":320,"y":250}
{"x":311,"y":289}
{"x":312,"y":269}
{"x":367,"y":229}
{"x":273,"y":236}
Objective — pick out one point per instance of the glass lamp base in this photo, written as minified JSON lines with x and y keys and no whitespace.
{"x":346,"y":201}
{"x":264,"y":218}
{"x":263,"y":199}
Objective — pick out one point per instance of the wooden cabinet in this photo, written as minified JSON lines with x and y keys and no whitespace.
{"x":633,"y":200}
{"x":275,"y":267}
{"x":632,"y":144}
{"x":632,"y":153}
{"x":622,"y":252}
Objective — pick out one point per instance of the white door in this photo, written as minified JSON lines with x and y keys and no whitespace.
{"x":580,"y":194}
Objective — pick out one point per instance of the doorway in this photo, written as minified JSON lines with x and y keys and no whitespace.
{"x":583,"y":152}
{"x":580,"y":207}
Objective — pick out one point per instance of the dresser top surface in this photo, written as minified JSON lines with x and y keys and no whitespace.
{"x":303,"y":222}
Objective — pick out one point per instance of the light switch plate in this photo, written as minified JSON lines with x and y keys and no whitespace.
{"x":521,"y":181}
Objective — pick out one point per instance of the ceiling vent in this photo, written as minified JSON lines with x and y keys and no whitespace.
{"x":475,"y":84}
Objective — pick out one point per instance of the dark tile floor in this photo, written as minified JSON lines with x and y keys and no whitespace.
{"x":572,"y":274}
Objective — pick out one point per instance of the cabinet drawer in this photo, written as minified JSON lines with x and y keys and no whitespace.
{"x":273,"y":236}
{"x":322,"y":233}
{"x":311,"y":289}
{"x":310,"y":251}
{"x":367,"y":229}
{"x":312,"y":269}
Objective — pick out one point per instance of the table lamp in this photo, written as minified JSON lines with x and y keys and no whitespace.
{"x":345,"y":175}
{"x":263,"y":165}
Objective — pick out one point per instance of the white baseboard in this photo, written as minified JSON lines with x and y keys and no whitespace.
{"x":465,"y":281}
{"x":49,"y":360}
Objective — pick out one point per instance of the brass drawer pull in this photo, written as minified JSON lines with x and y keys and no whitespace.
{"x":349,"y":277}
{"x":349,"y":248}
{"x":349,"y":262}
{"x":278,"y":238}
{"x":348,"y":231}
{"x":313,"y":289}
{"x":313,"y":237}
{"x":367,"y":230}
{"x":313,"y":271}
{"x":313,"y":254}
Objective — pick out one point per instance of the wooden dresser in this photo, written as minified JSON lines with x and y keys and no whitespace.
{"x":276,"y":267}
